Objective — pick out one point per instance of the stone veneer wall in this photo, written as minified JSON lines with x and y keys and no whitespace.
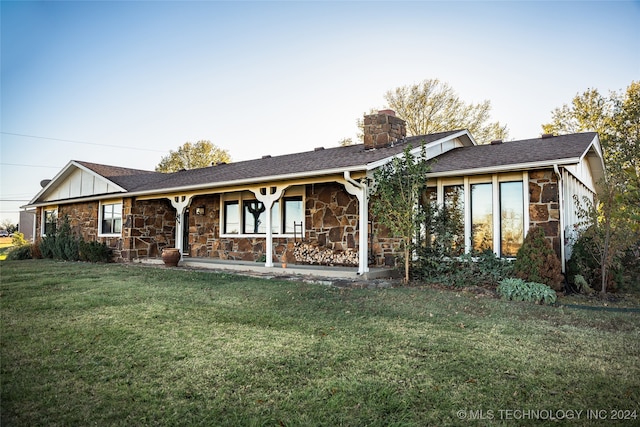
{"x":544,"y":205}
{"x":331,"y":221}
{"x":205,"y":240}
{"x":83,"y":219}
{"x":148,"y":227}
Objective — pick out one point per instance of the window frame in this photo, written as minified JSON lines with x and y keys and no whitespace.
{"x":103,"y":204}
{"x":44,"y":222}
{"x":240,"y":198}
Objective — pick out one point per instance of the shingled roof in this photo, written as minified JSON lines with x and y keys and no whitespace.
{"x":524,"y":153}
{"x":467,"y":160}
{"x":319,"y":161}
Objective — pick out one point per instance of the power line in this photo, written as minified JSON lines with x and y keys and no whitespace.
{"x":82,"y":142}
{"x":30,"y":166}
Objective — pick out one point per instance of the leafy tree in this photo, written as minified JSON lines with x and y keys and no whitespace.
{"x":398,"y":187}
{"x":617,"y":121}
{"x":8,"y":225}
{"x":192,"y":156}
{"x":606,"y":228}
{"x":614,"y":220}
{"x":433,"y":106}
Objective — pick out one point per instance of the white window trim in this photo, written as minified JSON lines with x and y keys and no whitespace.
{"x":242,"y":196}
{"x":495,"y":180}
{"x":43,"y":220}
{"x":104,"y":203}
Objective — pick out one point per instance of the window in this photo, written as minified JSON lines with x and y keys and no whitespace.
{"x":243,"y":214}
{"x":111,"y":218}
{"x":231,"y":217}
{"x":454,"y":208}
{"x":482,"y":216}
{"x":255,"y":217}
{"x":49,"y":221}
{"x":292,"y":213}
{"x":511,"y":218}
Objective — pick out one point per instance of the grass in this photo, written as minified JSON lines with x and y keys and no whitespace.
{"x":130,"y":345}
{"x":6,"y":243}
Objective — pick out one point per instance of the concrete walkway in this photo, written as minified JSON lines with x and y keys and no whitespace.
{"x":328,"y":273}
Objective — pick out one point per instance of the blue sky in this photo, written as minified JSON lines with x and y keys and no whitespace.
{"x":133,"y":80}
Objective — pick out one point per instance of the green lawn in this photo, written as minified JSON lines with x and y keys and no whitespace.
{"x":85,"y":344}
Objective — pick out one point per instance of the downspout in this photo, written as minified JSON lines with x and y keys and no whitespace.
{"x":561,"y":214}
{"x":360,"y":190}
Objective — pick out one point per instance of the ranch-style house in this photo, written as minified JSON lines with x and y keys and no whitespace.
{"x":313,"y":207}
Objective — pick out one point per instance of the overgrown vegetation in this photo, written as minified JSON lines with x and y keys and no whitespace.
{"x":122,"y":345}
{"x":515,"y":289}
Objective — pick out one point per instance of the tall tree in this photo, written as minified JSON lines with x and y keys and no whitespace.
{"x":612,"y":224}
{"x":433,"y":106}
{"x":398,"y":188}
{"x":617,"y":120}
{"x":192,"y":156}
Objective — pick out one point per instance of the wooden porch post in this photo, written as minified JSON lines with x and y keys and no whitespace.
{"x":268,"y":195}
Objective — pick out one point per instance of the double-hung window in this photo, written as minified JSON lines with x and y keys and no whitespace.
{"x":49,"y":221}
{"x":111,"y":218}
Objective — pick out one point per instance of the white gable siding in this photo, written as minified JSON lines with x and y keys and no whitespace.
{"x":80,"y":183}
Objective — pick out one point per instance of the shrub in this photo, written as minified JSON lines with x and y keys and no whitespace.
{"x":516,"y":289}
{"x":584,"y":264}
{"x":62,"y":244}
{"x":536,"y":260}
{"x":94,"y":252}
{"x":472,"y":269}
{"x":20,"y":253}
{"x":18,"y":239}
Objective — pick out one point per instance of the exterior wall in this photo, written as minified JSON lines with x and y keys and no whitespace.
{"x":331,"y":222}
{"x":544,"y":205}
{"x":148,"y":227}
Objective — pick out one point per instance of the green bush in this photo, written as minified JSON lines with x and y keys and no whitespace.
{"x":536,"y":261}
{"x":20,"y":253}
{"x":65,"y":246}
{"x":516,"y":289}
{"x":472,"y":269}
{"x":94,"y":252}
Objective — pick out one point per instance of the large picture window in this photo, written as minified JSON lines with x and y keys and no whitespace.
{"x":511,"y":218}
{"x":111,"y":218}
{"x":255,"y":217}
{"x":247,"y":216}
{"x":482,"y":217}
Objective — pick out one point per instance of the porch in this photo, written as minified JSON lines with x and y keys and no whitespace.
{"x":301,"y":270}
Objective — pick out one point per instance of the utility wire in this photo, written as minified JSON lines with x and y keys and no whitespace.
{"x":30,"y":166}
{"x":82,"y":142}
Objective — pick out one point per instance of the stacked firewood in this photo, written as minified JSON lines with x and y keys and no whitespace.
{"x":307,"y":253}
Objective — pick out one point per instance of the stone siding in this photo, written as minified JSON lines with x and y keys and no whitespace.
{"x":148,"y":227}
{"x":544,"y":205}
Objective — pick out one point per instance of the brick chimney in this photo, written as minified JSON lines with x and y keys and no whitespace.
{"x":383,"y":129}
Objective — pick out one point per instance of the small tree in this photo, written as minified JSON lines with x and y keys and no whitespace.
{"x":606,"y":227}
{"x":398,"y":187}
{"x":536,"y":261}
